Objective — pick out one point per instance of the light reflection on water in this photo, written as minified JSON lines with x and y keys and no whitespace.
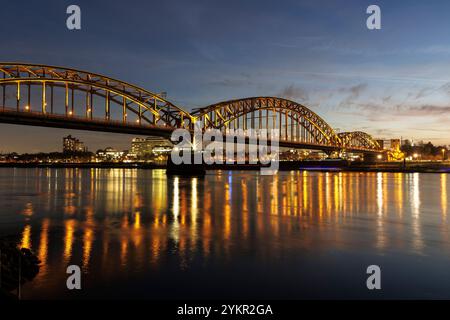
{"x":134,"y":230}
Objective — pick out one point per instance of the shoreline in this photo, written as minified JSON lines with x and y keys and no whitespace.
{"x":431,"y":167}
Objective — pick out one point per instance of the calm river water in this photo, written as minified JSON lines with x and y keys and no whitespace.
{"x":139,"y":234}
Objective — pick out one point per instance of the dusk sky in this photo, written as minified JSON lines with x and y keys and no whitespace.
{"x":393,"y":82}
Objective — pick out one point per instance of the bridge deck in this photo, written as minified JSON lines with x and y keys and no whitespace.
{"x":12,"y":116}
{"x":9,"y":115}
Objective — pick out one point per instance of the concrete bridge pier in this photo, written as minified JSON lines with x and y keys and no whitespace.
{"x":186,"y":169}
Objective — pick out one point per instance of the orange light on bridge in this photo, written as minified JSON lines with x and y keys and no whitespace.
{"x":228,"y":115}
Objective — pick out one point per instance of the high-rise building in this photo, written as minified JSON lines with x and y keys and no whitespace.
{"x":72,"y":144}
{"x":110,"y":154}
{"x":395,"y":144}
{"x":389,"y":144}
{"x":142,"y":147}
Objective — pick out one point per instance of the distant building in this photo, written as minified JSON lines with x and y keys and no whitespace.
{"x":150,"y":146}
{"x":395,"y":144}
{"x":71,"y":144}
{"x":407,"y":142}
{"x":109,"y":154}
{"x":389,"y":144}
{"x":381,"y":143}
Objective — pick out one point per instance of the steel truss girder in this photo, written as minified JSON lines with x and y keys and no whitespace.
{"x":165,"y":113}
{"x":230,"y":110}
{"x":359,"y":139}
{"x":158,"y":112}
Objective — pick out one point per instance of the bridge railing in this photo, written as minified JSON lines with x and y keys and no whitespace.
{"x":81,"y":119}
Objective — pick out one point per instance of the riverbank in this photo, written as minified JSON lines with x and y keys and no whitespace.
{"x":344,"y":166}
{"x":18,"y":266}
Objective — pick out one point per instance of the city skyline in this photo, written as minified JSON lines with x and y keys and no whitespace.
{"x":391,"y":83}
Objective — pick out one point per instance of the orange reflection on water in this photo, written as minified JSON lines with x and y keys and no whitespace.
{"x":137,"y":223}
{"x":194,"y":208}
{"x":381,"y":238}
{"x":398,"y":191}
{"x":159,"y":191}
{"x":26,"y":237}
{"x":43,"y":251}
{"x":137,"y":220}
{"x":43,"y":242}
{"x":175,"y":208}
{"x":415,"y":208}
{"x":227,"y":210}
{"x":244,"y":208}
{"x":444,"y":198}
{"x":69,"y":227}
{"x":88,"y":237}
{"x":207,"y":223}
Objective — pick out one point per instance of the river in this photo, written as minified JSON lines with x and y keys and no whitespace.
{"x":232,"y":234}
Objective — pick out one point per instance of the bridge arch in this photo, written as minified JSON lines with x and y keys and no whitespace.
{"x":152,"y":114}
{"x":149,"y":108}
{"x":358,"y":140}
{"x":293,"y":120}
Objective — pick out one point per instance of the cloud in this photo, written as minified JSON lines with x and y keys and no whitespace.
{"x":386,"y":99}
{"x":376,"y":112}
{"x":425,"y":110}
{"x":422,"y":93}
{"x":240,"y":80}
{"x":294,"y":93}
{"x":352,"y":93}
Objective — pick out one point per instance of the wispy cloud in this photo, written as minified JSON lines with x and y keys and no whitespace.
{"x":294,"y":93}
{"x":352,"y":93}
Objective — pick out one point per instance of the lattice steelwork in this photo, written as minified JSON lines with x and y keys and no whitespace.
{"x":42,"y":95}
{"x":358,"y":140}
{"x":294,"y":121}
{"x":149,"y":108}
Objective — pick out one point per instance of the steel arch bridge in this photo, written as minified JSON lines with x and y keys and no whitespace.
{"x":297,"y":125}
{"x":358,"y":139}
{"x":51,"y":96}
{"x":294,"y":121}
{"x":79,"y":93}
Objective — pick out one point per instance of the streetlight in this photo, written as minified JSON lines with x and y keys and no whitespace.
{"x":443,"y":154}
{"x":415,"y":155}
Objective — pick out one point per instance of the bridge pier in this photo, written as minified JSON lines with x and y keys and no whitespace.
{"x":185,"y":169}
{"x":371,"y":157}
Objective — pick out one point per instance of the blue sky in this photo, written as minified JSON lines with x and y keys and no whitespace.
{"x":393,"y":82}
